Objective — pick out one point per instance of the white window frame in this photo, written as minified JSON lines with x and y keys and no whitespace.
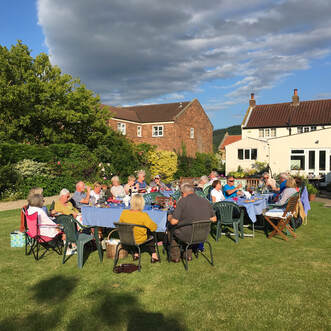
{"x":159,"y":131}
{"x":192,"y":133}
{"x":267,"y":133}
{"x":121,"y":127}
{"x":139,"y":131}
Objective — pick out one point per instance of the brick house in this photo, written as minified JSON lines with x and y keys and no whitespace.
{"x":168,"y":126}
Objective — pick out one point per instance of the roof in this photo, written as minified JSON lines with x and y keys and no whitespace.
{"x":314,"y":112}
{"x":227,"y":140}
{"x":149,"y":113}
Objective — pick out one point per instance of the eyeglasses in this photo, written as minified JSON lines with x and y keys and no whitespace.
{"x":230,"y":181}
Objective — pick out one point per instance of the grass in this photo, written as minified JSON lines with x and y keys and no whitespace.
{"x":256,"y":284}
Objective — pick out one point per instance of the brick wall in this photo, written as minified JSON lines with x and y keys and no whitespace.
{"x":175,"y":134}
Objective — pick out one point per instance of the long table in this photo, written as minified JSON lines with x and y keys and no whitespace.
{"x":253,"y":208}
{"x":105,"y":217}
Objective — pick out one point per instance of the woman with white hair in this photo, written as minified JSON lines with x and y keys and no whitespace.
{"x":117,"y":190}
{"x":64,"y":206}
{"x":47,"y":227}
{"x":141,"y":185}
{"x":136,"y":216}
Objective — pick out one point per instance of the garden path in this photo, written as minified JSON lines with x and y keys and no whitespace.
{"x":9,"y":205}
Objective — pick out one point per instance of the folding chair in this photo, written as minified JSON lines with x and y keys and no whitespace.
{"x":199,"y":235}
{"x":34,"y":242}
{"x":126,"y":234}
{"x":281,"y":220}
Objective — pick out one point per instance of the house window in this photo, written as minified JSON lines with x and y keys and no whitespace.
{"x":302,"y":129}
{"x":157,"y":131}
{"x":247,"y":154}
{"x":268,"y":132}
{"x":313,"y":128}
{"x":138,"y":131}
{"x":298,"y":159}
{"x":192,"y":133}
{"x":240,"y":154}
{"x":121,"y":127}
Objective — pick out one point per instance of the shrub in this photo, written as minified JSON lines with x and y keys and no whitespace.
{"x":27,"y":168}
{"x":9,"y":178}
{"x":163,"y":163}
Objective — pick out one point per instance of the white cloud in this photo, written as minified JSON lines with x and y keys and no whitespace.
{"x":131,"y":51}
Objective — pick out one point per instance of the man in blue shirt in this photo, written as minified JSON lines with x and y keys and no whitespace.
{"x":229,"y":190}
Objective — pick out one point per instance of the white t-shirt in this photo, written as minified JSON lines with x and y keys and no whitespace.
{"x":46,"y":225}
{"x":217,"y":194}
{"x":95,"y":196}
{"x":117,"y":191}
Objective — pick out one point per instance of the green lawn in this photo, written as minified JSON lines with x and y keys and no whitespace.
{"x":256,"y":284}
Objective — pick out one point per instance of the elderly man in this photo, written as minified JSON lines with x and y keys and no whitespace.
{"x":64,"y":206}
{"x":229,"y":189}
{"x":80,"y":197}
{"x":283,"y":177}
{"x":189,"y":208}
{"x":268,"y":182}
{"x":157,"y":184}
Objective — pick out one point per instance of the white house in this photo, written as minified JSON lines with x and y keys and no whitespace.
{"x":288,"y":136}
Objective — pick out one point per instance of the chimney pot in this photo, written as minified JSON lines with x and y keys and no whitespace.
{"x":252,"y":102}
{"x":295,"y":98}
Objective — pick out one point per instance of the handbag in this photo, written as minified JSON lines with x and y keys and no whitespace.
{"x":17,"y":239}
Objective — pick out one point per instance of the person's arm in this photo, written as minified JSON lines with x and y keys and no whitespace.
{"x":87,"y":198}
{"x":148,"y":222}
{"x":231,"y":191}
{"x":213,"y":198}
{"x":213,"y":219}
{"x":173,"y":221}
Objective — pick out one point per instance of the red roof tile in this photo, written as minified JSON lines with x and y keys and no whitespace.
{"x":229,"y":140}
{"x":314,"y":112}
{"x":149,"y":113}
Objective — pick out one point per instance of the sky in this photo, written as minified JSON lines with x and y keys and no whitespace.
{"x":154,"y":51}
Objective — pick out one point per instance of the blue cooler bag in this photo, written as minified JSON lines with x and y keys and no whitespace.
{"x":17,"y":239}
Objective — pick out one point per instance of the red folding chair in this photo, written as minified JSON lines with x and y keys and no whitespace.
{"x":37,"y":244}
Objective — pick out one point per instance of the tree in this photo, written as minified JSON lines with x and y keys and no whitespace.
{"x":40,"y":105}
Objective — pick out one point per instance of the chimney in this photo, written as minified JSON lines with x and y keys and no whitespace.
{"x":252,"y":102}
{"x":295,"y":98}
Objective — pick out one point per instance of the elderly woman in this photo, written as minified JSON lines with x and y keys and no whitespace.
{"x":216,"y":193}
{"x":290,"y":189}
{"x":117,"y":190}
{"x":136,"y":216}
{"x":64,"y":206}
{"x":95,"y":193}
{"x":47,"y":227}
{"x":129,"y":188}
{"x":140,"y":182}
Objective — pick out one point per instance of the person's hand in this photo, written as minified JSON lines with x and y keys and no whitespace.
{"x":74,"y":215}
{"x":88,"y":189}
{"x":239,"y":186}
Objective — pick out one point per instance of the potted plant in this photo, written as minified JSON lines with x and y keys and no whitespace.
{"x":312,"y":191}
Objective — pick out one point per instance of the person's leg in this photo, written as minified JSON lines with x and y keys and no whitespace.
{"x":174,"y":251}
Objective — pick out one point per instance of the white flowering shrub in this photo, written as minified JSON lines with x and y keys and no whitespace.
{"x":28,"y":168}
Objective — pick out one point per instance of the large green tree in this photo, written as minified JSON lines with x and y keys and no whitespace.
{"x":40,"y":105}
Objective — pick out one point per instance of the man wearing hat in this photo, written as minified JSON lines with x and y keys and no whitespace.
{"x":157,"y":185}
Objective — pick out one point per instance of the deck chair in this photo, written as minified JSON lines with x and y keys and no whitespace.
{"x":126,"y":234}
{"x":280,"y":220}
{"x":69,"y":225}
{"x":200,"y":232}
{"x":225,"y":211}
{"x":37,"y":244}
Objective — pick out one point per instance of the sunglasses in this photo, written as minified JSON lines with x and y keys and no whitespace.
{"x":230,"y":181}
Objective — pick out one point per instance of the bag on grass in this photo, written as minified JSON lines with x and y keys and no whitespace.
{"x":17,"y":239}
{"x":126,"y":268}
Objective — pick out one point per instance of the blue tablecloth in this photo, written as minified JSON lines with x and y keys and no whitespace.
{"x":106,"y":217}
{"x":167,"y":193}
{"x":253,"y":208}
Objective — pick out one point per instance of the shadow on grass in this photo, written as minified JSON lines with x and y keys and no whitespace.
{"x":99,"y":309}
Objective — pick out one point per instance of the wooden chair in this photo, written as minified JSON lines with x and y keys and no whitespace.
{"x":281,"y":221}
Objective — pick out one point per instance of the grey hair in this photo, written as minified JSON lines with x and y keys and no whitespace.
{"x":141,"y":172}
{"x":204,"y":179}
{"x":115,"y":178}
{"x":36,"y":200}
{"x":64,"y":191}
{"x":283,"y":175}
{"x":266,"y":174}
{"x":187,"y":188}
{"x":215,"y":173}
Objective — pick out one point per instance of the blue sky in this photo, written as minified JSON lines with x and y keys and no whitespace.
{"x":220,"y":51}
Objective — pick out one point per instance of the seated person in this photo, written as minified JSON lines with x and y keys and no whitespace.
{"x":203,"y":183}
{"x":117,"y":190}
{"x":213,"y":176}
{"x":106,"y":191}
{"x":95,"y":194}
{"x":130,"y":187}
{"x":216,"y":193}
{"x":267,"y":182}
{"x":157,"y":184}
{"x":189,"y":208}
{"x":46,"y":225}
{"x":64,"y":206}
{"x":136,"y":216}
{"x":290,"y":189}
{"x":282,"y":185}
{"x":80,"y":197}
{"x":229,"y":190}
{"x":141,"y":185}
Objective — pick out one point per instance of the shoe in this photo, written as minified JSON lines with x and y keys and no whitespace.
{"x":69,"y":251}
{"x":154,"y":260}
{"x":189,"y":258}
{"x":74,"y":251}
{"x":135,"y":257}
